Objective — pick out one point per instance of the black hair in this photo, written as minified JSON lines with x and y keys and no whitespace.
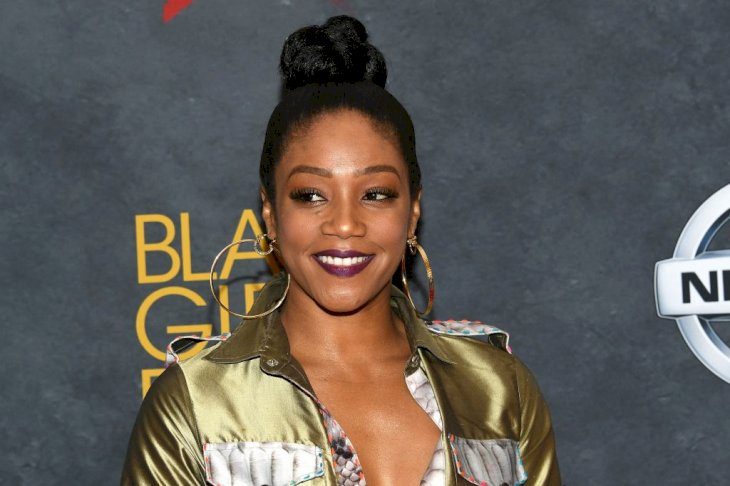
{"x":329,"y":68}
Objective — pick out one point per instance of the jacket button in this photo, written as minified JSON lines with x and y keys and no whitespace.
{"x":272,"y":362}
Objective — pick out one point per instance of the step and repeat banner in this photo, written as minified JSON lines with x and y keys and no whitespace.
{"x":175,"y":280}
{"x":576,"y":165}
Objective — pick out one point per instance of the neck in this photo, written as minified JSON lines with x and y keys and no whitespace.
{"x":318,"y":336}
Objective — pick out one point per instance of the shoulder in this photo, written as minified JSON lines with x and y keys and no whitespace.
{"x":482,"y":348}
{"x":168,"y":395}
{"x":472,"y":343}
{"x":191,"y":373}
{"x":473,"y":329}
{"x":182,"y":344}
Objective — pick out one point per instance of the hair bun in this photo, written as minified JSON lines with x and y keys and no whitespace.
{"x":336,"y":51}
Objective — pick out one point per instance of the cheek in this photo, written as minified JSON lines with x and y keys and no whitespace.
{"x":294,"y":235}
{"x":296,"y":226}
{"x":391,"y":233}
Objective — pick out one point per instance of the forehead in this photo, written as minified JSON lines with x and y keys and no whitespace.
{"x":341,"y":141}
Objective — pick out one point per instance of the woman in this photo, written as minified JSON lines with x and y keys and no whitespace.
{"x":314,"y":388}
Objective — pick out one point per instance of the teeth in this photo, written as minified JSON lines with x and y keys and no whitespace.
{"x":342,"y":262}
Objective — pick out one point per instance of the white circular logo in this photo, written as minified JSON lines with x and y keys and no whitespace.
{"x":693,"y":287}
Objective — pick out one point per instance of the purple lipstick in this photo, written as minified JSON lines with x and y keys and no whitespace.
{"x":343,"y":263}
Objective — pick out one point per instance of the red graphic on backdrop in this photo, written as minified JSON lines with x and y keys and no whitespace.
{"x":173,"y":7}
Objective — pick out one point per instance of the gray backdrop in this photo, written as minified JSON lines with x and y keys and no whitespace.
{"x":564,"y":146}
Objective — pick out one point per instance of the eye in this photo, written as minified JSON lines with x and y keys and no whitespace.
{"x":307,"y":195}
{"x":380,"y":194}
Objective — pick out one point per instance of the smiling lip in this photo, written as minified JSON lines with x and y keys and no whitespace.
{"x":343,"y":263}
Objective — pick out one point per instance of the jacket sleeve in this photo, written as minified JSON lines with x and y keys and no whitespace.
{"x":537,"y":443}
{"x":164,"y":447}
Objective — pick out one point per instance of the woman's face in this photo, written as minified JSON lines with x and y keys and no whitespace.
{"x":342,"y":213}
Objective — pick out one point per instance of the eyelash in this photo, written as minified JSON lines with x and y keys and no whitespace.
{"x":307,"y":194}
{"x":380,"y":191}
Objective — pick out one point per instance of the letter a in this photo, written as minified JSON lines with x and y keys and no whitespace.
{"x":248,"y":218}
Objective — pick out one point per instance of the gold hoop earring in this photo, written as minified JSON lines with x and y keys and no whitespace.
{"x":258,"y":248}
{"x":414,"y":247}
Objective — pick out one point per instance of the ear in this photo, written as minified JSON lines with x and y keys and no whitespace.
{"x":415,"y":213}
{"x":267,"y":212}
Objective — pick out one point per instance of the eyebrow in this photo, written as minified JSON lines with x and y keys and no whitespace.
{"x":308,"y":169}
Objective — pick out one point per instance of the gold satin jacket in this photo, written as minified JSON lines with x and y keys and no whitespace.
{"x":243,"y":412}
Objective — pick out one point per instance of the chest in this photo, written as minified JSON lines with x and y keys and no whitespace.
{"x":258,"y":425}
{"x":379,"y":422}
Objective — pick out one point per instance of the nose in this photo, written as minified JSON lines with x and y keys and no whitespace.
{"x":344,"y":219}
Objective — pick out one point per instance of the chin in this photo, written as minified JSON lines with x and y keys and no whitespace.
{"x":341,"y":306}
{"x":344,"y":304}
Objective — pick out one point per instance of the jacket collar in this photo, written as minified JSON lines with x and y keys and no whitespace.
{"x":266,"y":338}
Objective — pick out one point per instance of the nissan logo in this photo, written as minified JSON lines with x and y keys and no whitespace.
{"x":693,"y":287}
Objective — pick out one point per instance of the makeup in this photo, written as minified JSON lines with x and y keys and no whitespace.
{"x":343,"y":263}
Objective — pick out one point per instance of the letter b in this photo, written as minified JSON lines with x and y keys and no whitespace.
{"x":164,"y":246}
